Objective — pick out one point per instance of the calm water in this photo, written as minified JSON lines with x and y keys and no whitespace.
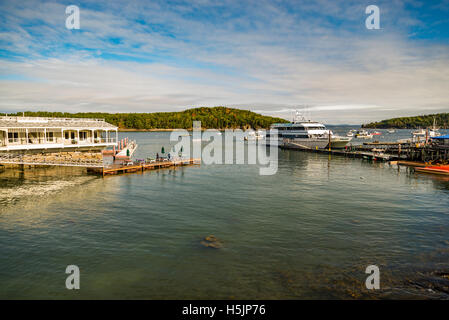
{"x":307,"y":232}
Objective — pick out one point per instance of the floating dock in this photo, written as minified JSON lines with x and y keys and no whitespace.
{"x":370,"y":155}
{"x":390,"y":151}
{"x":127,"y":150}
{"x":125,"y":168}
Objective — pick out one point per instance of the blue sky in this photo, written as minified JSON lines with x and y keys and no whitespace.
{"x":267,"y":56}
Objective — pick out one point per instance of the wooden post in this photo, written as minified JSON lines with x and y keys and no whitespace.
{"x":329,"y":135}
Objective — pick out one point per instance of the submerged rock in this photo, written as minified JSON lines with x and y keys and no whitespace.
{"x":211,"y":238}
{"x":212,"y":242}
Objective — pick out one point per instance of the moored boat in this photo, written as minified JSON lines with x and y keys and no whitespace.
{"x":419,"y":133}
{"x":363,"y":134}
{"x":351,"y":133}
{"x":254,"y":135}
{"x":306,"y":134}
{"x":433,"y":132}
{"x":442,"y":170}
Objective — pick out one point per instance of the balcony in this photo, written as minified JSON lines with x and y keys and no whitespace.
{"x":41,"y":143}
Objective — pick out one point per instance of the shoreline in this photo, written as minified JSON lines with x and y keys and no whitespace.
{"x":145,"y":130}
{"x":174,"y":129}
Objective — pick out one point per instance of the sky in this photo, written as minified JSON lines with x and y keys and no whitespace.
{"x":271,"y":57}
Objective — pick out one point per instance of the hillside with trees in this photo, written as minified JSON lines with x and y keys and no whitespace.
{"x":424,"y":121}
{"x":217,"y":117}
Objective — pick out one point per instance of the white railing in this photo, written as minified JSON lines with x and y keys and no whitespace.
{"x":108,"y":140}
{"x":89,"y":141}
{"x":23,"y":141}
{"x":42,"y":141}
{"x":17,"y":140}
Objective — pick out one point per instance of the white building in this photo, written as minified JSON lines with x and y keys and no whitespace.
{"x":38,"y":133}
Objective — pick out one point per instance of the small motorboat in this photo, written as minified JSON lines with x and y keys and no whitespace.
{"x":444,"y":170}
{"x":257,"y":135}
{"x":351,"y":133}
{"x":419,"y":133}
{"x":391,"y":131}
{"x":363,"y":134}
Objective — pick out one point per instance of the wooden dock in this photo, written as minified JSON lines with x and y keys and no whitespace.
{"x":125,"y":168}
{"x":369,"y":155}
{"x":416,"y":153}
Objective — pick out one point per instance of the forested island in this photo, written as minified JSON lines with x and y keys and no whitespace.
{"x":424,"y":121}
{"x":216,"y":117}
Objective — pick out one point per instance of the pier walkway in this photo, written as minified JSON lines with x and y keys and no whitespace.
{"x":389,"y":151}
{"x":93,"y":164}
{"x":126,"y":168}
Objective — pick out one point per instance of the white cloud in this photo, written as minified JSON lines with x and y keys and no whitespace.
{"x":268,"y":59}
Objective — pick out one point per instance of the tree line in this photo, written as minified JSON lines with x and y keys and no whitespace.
{"x":216,"y":117}
{"x":423,"y":121}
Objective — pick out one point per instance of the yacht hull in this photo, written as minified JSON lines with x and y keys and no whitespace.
{"x":339,"y":142}
{"x":312,"y":143}
{"x":305,"y":143}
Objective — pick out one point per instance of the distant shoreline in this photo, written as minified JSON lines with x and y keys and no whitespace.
{"x":441,"y":120}
{"x":174,"y":129}
{"x":145,"y":130}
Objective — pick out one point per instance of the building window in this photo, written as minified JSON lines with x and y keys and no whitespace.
{"x":50,"y":136}
{"x":13,"y":137}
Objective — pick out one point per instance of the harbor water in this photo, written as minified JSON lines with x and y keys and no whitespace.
{"x":307,"y":232}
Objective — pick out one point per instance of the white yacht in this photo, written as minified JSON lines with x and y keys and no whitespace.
{"x":351,"y":133}
{"x":306,"y":134}
{"x":419,"y":133}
